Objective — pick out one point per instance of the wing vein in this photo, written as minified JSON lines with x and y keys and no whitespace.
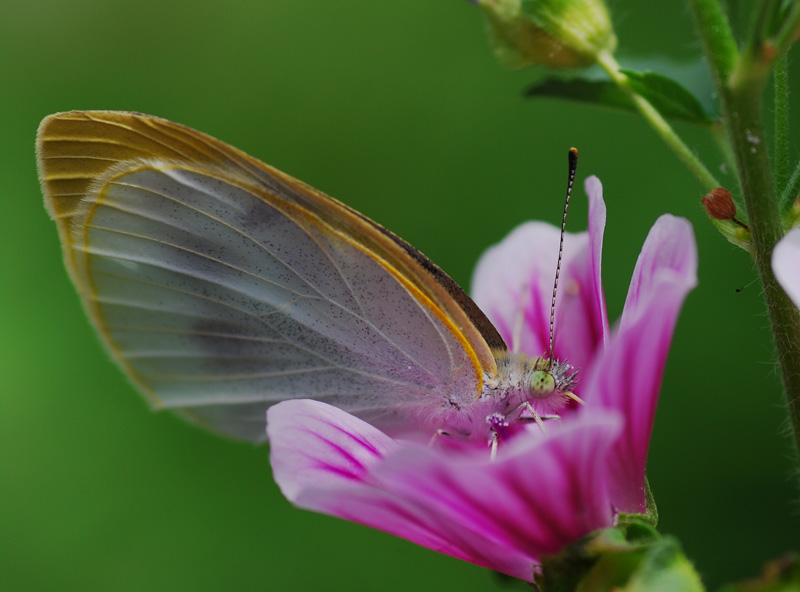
{"x":287,"y":340}
{"x":180,"y":248}
{"x":224,"y":223}
{"x":356,"y":314}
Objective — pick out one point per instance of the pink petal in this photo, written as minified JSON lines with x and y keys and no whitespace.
{"x":321,"y":456}
{"x":627,"y":377}
{"x":581,"y":317}
{"x":539,"y":495}
{"x":518,"y":274}
{"x":786,"y":264}
{"x":669,"y":250}
{"x":316,"y":445}
{"x":542,"y":492}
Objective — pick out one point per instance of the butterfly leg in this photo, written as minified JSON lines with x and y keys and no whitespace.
{"x":435,"y":437}
{"x":536,"y":417}
{"x":493,"y":445}
{"x":539,"y":419}
{"x":499,"y":424}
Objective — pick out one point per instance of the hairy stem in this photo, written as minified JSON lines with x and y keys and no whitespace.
{"x":781,"y":78}
{"x":740,"y":88}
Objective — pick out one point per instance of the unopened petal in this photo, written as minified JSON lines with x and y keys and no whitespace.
{"x":786,"y":264}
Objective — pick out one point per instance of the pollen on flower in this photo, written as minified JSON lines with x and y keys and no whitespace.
{"x":498,"y":424}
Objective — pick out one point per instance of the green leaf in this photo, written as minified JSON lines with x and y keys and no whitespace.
{"x":599,"y":92}
{"x":681,"y":91}
{"x":668,"y":96}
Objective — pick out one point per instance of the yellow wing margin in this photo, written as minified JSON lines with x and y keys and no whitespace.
{"x":76,"y":149}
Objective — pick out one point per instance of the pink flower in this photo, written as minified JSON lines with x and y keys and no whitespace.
{"x":786,"y":264}
{"x":544,"y":490}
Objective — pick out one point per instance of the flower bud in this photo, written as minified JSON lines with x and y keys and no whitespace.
{"x":719,"y":204}
{"x":552,"y":33}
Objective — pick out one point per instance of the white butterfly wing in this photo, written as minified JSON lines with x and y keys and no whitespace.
{"x":223,"y":286}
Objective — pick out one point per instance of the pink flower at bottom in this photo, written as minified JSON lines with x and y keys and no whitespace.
{"x":544,"y":490}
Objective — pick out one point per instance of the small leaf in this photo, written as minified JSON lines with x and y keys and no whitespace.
{"x":694,"y":76}
{"x":668,"y":96}
{"x":599,"y":92}
{"x":682,"y":91}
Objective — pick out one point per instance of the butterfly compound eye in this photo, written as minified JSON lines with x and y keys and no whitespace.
{"x":542,"y":384}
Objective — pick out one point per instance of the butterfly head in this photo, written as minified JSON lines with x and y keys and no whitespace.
{"x":539,"y":385}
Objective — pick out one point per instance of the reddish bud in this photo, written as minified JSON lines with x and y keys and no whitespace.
{"x":719,"y":205}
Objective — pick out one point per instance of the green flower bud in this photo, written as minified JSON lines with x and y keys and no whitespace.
{"x":552,"y":33}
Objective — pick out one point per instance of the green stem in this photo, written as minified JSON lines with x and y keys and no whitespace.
{"x":717,"y":38}
{"x":767,"y":229}
{"x":720,"y":134}
{"x":789,"y":28}
{"x":781,"y":81}
{"x":657,"y":122}
{"x":791,"y":191}
{"x":740,"y":91}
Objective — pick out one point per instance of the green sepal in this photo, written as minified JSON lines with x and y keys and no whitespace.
{"x":551,"y":33}
{"x":735,"y":234}
{"x":637,"y":528}
{"x":565,"y":571}
{"x":582,"y":25}
{"x":632,"y":557}
{"x":518,"y":42}
{"x":650,"y":503}
{"x":659,"y":566}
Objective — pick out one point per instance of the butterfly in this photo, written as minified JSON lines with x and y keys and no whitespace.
{"x":222,"y":286}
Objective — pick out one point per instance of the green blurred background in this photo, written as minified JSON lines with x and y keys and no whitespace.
{"x":400,"y":110}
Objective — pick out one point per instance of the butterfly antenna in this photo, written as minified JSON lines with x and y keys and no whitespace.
{"x":573,"y":165}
